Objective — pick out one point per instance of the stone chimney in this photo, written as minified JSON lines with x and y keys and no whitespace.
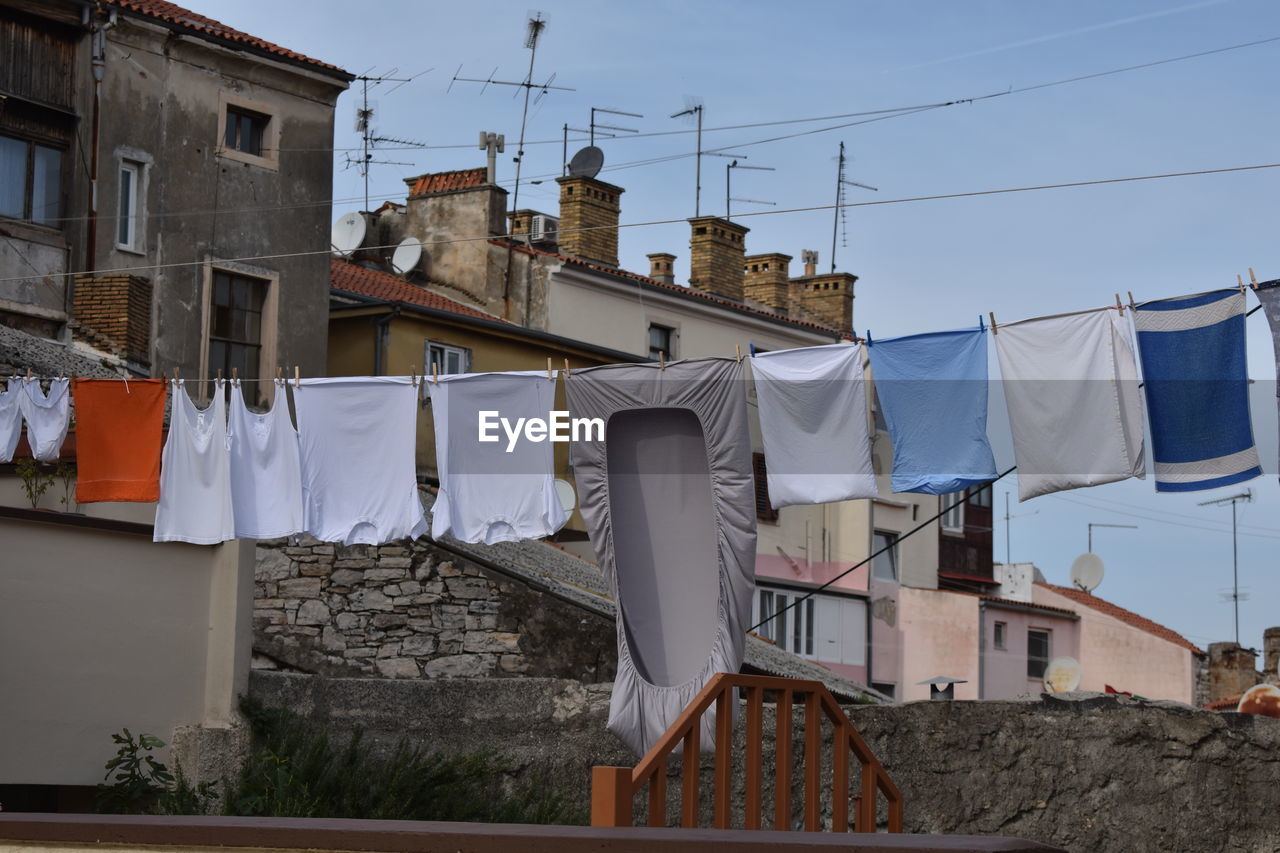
{"x":1231,"y":670}
{"x":828,"y":299}
{"x":446,"y":211}
{"x":767,"y":280}
{"x":115,"y":310}
{"x":662,"y":267}
{"x":586,"y":203}
{"x":1270,"y":653}
{"x":716,"y":250}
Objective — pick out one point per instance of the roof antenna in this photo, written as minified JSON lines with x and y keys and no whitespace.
{"x":369,"y":137}
{"x":840,"y":223}
{"x":728,"y":197}
{"x":693,"y":107}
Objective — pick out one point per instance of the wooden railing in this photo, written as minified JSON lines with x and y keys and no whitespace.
{"x":613,"y":789}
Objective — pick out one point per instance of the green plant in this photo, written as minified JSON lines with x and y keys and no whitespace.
{"x":35,"y":482}
{"x":139,"y":778}
{"x":66,"y":473}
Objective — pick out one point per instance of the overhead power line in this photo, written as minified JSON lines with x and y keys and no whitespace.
{"x":907,"y":200}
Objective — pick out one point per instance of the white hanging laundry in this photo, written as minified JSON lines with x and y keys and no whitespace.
{"x":1075,"y":408}
{"x":266,"y":473}
{"x":813,"y":421}
{"x":357,"y":436}
{"x":195,"y":472}
{"x":47,"y":416}
{"x":493,"y":491}
{"x":10,"y":419}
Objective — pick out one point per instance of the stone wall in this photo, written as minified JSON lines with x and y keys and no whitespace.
{"x":589,"y":211}
{"x":716,"y":250}
{"x":1086,"y":772}
{"x":412,"y":609}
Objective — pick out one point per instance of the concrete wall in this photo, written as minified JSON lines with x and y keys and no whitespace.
{"x":1004,"y":671}
{"x":939,"y":637}
{"x":1091,"y":774}
{"x":1126,"y":657}
{"x":104,"y":629}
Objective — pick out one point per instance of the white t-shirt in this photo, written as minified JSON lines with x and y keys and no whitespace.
{"x":266,"y":475}
{"x":813,"y":421}
{"x":10,"y":419}
{"x":488,"y":494}
{"x":195,"y":472}
{"x":357,"y":436}
{"x":47,"y":416}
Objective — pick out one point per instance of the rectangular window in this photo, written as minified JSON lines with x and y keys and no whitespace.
{"x":764,"y":508}
{"x":235,"y":326}
{"x":765,"y":608}
{"x":30,"y":181}
{"x":447,"y":360}
{"x":885,"y":566}
{"x":661,"y":342}
{"x":245,"y":130}
{"x":999,"y":635}
{"x":1037,"y":653}
{"x":953,"y":518}
{"x":792,"y":630}
{"x":128,"y":223}
{"x":982,"y":497}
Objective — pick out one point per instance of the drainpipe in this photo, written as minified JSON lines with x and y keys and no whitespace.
{"x":98,"y":67}
{"x":380,"y":335}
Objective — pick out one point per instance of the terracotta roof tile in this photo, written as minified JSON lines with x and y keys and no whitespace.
{"x":344,"y":275}
{"x":1126,"y":616}
{"x":441,"y":181}
{"x":173,"y":14}
{"x":684,"y":291}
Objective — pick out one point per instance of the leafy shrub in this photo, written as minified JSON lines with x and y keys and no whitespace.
{"x":139,"y":778}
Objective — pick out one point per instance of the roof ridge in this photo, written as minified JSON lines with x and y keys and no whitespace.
{"x":1136,"y":620}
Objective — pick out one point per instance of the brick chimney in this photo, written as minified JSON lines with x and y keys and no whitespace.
{"x":1231,"y":670}
{"x":828,"y":298}
{"x":716,"y":251}
{"x":117,"y":310}
{"x":662,"y":266}
{"x":767,"y":280}
{"x":446,"y":211}
{"x":586,"y":203}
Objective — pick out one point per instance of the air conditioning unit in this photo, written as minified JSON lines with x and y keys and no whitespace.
{"x":544,"y":229}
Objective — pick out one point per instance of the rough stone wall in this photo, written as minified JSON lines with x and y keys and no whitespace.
{"x":586,"y":203}
{"x":1231,"y":670}
{"x":1086,"y":772}
{"x":411,"y":610}
{"x":716,"y":250}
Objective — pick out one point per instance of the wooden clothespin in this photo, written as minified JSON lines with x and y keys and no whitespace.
{"x":279,"y":375}
{"x":550,"y":375}
{"x":177,"y":376}
{"x":28,"y":374}
{"x":737,"y":348}
{"x":73,"y":376}
{"x":566,"y":368}
{"x":235,"y":376}
{"x":1119,"y":305}
{"x":1240,"y":283}
{"x":413,"y":375}
{"x":297,"y":376}
{"x":435,"y":373}
{"x":1253,"y":279}
{"x":1132,"y":306}
{"x":219,"y":377}
{"x":662,"y":360}
{"x":992,"y":315}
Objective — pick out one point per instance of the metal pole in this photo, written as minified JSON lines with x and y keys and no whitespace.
{"x":1007,"y":528}
{"x":697,"y":170}
{"x":835,"y":218}
{"x":1235,"y":572}
{"x":564,"y":152}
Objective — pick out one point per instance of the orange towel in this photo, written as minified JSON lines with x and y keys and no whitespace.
{"x":118,"y":434}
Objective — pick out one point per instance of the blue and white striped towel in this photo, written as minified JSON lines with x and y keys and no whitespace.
{"x":1193,"y":364}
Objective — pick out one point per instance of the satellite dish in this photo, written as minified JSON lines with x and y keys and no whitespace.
{"x":1086,"y":572}
{"x":587,"y":162}
{"x":1062,"y":675}
{"x":406,"y":256}
{"x":347,"y":234}
{"x":565,"y":493}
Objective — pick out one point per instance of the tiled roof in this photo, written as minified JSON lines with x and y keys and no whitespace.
{"x":1228,"y":703}
{"x":20,"y":351}
{"x":690,"y":292}
{"x":344,"y":275}
{"x":442,"y":181}
{"x":173,"y":14}
{"x":1127,"y":616}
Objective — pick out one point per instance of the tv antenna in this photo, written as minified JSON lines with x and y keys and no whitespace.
{"x":1094,"y":524}
{"x":728,"y":170}
{"x":1247,"y":497}
{"x":693,"y":107}
{"x":840,"y":225}
{"x":1008,"y":528}
{"x":369,"y":137}
{"x":593,"y":125}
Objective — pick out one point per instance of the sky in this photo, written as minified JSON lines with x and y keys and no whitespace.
{"x":922,"y":266}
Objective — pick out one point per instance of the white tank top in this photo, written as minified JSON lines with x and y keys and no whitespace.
{"x":10,"y":419}
{"x":266,"y":481}
{"x":47,"y":416}
{"x":195,"y":472}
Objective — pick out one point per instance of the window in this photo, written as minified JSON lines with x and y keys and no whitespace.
{"x":1037,"y":653}
{"x":129,"y":221}
{"x":235,"y":323}
{"x":953,"y":518}
{"x":30,"y":181}
{"x":1000,"y":629}
{"x":885,"y":565}
{"x":792,"y":630}
{"x":245,"y":130}
{"x":764,"y":507}
{"x":447,"y":360}
{"x":661,"y":342}
{"x":982,"y":497}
